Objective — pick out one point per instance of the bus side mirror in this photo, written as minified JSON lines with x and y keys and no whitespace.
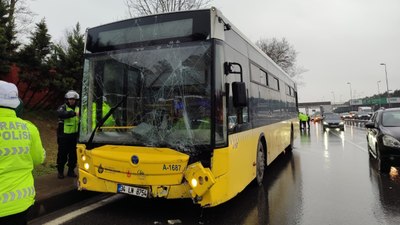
{"x":238,"y":88}
{"x":232,"y":67}
{"x":239,"y":94}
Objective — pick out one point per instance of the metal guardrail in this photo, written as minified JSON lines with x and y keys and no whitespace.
{"x":355,"y":122}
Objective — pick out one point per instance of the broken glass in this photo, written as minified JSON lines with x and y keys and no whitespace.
{"x":168,"y":96}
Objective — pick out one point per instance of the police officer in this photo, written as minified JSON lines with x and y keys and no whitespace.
{"x":67,"y":134}
{"x":303,"y":120}
{"x":20,"y":150}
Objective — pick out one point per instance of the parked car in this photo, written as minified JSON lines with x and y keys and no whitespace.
{"x":383,"y":138}
{"x":316,"y":117}
{"x":362,"y":116}
{"x":346,"y":115}
{"x":332,"y":121}
{"x":353,"y":114}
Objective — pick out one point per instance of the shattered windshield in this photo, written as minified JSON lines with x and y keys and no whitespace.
{"x":165,"y":94}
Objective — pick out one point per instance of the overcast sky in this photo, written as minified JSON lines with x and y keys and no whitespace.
{"x":338,"y":41}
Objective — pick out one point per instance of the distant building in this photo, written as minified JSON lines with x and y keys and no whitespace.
{"x":312,"y":107}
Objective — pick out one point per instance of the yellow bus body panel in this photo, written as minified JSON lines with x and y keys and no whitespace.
{"x":93,"y":183}
{"x":156,"y":166}
{"x":165,"y":171}
{"x":234,"y":167}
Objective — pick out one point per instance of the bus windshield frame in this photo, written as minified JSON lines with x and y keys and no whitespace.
{"x":167,"y":90}
{"x":151,"y":30}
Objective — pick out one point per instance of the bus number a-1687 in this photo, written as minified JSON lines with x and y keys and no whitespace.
{"x":172,"y":167}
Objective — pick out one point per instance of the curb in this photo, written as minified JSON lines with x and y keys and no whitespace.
{"x":53,"y":194}
{"x":46,"y":206}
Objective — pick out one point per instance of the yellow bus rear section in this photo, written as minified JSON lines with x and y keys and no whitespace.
{"x":167,"y":173}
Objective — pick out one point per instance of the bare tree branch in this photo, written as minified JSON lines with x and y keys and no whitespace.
{"x":282,"y":53}
{"x":19,"y":10}
{"x":147,"y":7}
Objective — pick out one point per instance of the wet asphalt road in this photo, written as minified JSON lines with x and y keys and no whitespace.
{"x":328,"y":179}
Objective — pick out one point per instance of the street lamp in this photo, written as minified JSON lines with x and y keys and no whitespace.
{"x":387,"y":84}
{"x":379,"y":93}
{"x":351,"y":96}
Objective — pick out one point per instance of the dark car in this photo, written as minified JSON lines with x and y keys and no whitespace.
{"x":383,"y":137}
{"x":332,"y":121}
{"x":346,"y":115}
{"x":363,"y":116}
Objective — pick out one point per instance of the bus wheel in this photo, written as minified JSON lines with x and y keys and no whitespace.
{"x":289,"y":148}
{"x":260,"y":163}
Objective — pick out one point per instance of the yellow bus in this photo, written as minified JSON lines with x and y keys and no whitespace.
{"x":199,"y":111}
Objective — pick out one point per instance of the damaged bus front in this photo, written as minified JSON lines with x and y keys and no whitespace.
{"x":146,"y":126}
{"x":157,"y":94}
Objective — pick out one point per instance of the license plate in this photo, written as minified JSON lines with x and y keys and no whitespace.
{"x":141,"y":192}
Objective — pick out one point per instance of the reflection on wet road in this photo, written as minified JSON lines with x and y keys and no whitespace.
{"x":328,"y":179}
{"x":339,"y":184}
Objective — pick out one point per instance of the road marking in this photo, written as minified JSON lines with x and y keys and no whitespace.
{"x":354,"y":144}
{"x":86,"y":209}
{"x":358,"y":146}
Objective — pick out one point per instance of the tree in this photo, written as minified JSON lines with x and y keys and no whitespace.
{"x":8,"y":43}
{"x":21,"y":17}
{"x":281,"y":52}
{"x":70,"y":57}
{"x":66,"y":67}
{"x":33,"y":61}
{"x":147,"y":7}
{"x":4,"y":58}
{"x":11,"y":32}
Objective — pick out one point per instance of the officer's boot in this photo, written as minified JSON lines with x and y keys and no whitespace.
{"x":60,"y":172}
{"x":71,"y":172}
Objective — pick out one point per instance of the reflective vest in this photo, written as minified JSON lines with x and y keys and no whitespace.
{"x":105,"y":109}
{"x":303,"y":117}
{"x":20,"y":150}
{"x":71,"y":124}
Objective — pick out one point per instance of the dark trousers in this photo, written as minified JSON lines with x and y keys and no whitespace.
{"x":15,"y":219}
{"x":303,"y":125}
{"x":66,"y":152}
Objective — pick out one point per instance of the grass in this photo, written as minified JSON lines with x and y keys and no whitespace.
{"x":46,"y":122}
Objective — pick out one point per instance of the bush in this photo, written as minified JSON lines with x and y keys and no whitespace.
{"x":46,"y":122}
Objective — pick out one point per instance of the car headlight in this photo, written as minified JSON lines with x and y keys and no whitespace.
{"x":390,"y":141}
{"x":341,"y":123}
{"x":325,"y":123}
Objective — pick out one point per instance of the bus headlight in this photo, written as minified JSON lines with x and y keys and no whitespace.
{"x":200,"y":179}
{"x":193,"y":183}
{"x":86,"y":166}
{"x":83,"y":157}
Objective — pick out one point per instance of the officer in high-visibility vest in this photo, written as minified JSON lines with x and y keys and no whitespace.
{"x":67,"y":134}
{"x":20,"y":150}
{"x":303,"y":120}
{"x":105,"y":109}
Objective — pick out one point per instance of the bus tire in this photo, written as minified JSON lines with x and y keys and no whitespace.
{"x":260,"y":163}
{"x":289,"y":148}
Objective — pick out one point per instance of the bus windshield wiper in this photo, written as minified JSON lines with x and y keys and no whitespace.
{"x":102,"y":121}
